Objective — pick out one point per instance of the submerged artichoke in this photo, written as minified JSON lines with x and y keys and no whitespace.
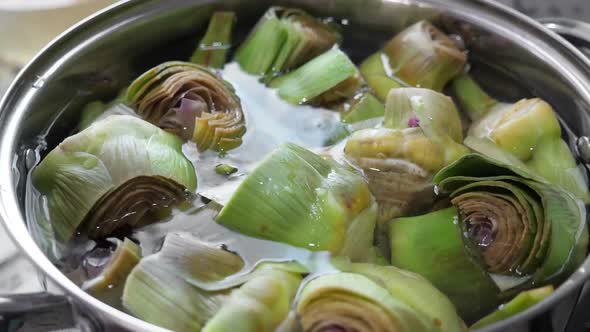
{"x":420,"y":56}
{"x":506,"y":233}
{"x":375,"y":298}
{"x":260,"y":304}
{"x":117,"y":173}
{"x":192,"y":102}
{"x":527,"y":130}
{"x":422,"y":134}
{"x":283,"y":39}
{"x":306,"y":201}
{"x":326,"y":79}
{"x":213,"y":48}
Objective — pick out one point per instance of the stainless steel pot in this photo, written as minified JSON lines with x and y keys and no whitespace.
{"x":517,"y":55}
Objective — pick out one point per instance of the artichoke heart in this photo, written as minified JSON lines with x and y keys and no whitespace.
{"x":260,"y":304}
{"x":505,"y":223}
{"x":125,"y":257}
{"x":421,"y":56}
{"x":526,"y":133}
{"x":375,"y":298}
{"x":283,"y":39}
{"x":118,"y":172}
{"x":191,"y":102}
{"x":306,"y":201}
{"x":422,"y":134}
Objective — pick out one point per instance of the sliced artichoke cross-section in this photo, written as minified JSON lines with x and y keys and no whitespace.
{"x":368,"y":298}
{"x":506,"y":232}
{"x":296,"y":197}
{"x":115,"y":173}
{"x":192,"y":102}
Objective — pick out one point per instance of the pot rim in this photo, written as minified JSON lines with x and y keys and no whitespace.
{"x":14,"y":222}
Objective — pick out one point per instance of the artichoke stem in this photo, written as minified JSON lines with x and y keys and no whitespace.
{"x":474,"y":101}
{"x":213,"y":48}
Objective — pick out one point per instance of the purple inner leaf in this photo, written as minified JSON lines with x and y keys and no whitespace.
{"x":413,"y":122}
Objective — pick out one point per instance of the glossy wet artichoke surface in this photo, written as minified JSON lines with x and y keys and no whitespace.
{"x":281,"y":182}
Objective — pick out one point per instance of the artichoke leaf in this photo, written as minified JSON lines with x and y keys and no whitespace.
{"x":432,"y":246}
{"x":306,"y":201}
{"x":124,"y":258}
{"x":191,"y":102}
{"x":260,"y":304}
{"x":362,"y":107}
{"x":520,"y":303}
{"x":107,"y":158}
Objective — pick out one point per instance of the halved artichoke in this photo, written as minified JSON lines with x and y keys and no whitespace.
{"x":505,"y":223}
{"x":213,"y":48}
{"x":116,"y":173}
{"x":192,"y":102}
{"x":422,"y":134}
{"x":510,"y":128}
{"x":324,"y":80}
{"x":375,"y":298}
{"x":259,"y":305}
{"x":306,"y":201}
{"x":283,"y":39}
{"x":420,"y":56}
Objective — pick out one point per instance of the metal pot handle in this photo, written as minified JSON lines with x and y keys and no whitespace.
{"x":41,"y":312}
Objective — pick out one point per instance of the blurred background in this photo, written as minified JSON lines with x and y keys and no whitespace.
{"x":27,"y":25}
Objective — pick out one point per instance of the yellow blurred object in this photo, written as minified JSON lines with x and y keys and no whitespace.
{"x":26,"y":26}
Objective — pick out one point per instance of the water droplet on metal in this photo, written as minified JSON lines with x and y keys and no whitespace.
{"x":583,"y":145}
{"x":39,"y":83}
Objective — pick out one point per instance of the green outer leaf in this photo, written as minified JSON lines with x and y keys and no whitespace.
{"x":213,"y":48}
{"x":315,"y":77}
{"x":520,"y":303}
{"x":366,"y":107}
{"x":260,"y":304}
{"x":432,"y":246}
{"x":553,"y":160}
{"x":417,"y":292}
{"x":87,"y":165}
{"x":303,"y":200}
